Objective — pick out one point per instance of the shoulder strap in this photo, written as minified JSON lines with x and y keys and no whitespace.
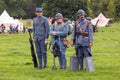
{"x":55,"y":26}
{"x":38,"y":20}
{"x":86,"y":24}
{"x":77,"y":24}
{"x":40,"y":23}
{"x":58,"y":28}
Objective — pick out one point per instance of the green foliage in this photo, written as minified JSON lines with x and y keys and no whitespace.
{"x":14,"y":7}
{"x":68,"y":8}
{"x":2,"y":6}
{"x":16,"y":62}
{"x":111,"y":9}
{"x":117,"y":10}
{"x":38,"y":2}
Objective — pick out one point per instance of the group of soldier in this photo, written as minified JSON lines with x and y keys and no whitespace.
{"x":82,"y":37}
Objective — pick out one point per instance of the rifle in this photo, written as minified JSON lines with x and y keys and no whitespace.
{"x":95,"y":26}
{"x":75,"y":33}
{"x":51,"y":43}
{"x":34,"y":59}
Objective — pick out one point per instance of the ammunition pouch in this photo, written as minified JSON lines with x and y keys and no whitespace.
{"x":66,"y":42}
{"x":84,"y":34}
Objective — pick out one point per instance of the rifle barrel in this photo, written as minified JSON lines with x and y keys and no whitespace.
{"x":33,"y":51}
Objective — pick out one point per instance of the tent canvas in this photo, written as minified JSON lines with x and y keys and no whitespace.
{"x":5,"y":18}
{"x":103,"y":21}
{"x":7,"y":21}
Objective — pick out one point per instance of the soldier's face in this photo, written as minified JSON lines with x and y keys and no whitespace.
{"x":38,"y":13}
{"x":81,"y":16}
{"x":59,"y":20}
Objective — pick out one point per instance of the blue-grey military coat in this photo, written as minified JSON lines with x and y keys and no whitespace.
{"x":80,"y":40}
{"x":40,"y":28}
{"x":61,"y":33}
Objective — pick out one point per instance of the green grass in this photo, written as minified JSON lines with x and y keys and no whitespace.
{"x":16,"y":62}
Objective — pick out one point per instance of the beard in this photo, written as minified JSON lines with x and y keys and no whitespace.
{"x":59,"y":22}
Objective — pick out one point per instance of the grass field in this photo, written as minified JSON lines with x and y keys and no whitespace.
{"x":16,"y":62}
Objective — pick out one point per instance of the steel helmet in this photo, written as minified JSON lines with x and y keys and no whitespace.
{"x":80,"y":12}
{"x":58,"y":15}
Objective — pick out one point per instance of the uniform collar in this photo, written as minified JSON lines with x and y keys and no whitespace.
{"x":81,"y":20}
{"x":39,"y":17}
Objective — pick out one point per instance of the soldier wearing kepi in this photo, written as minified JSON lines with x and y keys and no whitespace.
{"x":40,"y":35}
{"x":82,"y":37}
{"x":59,"y":31}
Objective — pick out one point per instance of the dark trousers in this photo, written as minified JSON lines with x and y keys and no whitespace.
{"x":82,"y":52}
{"x":41,"y":52}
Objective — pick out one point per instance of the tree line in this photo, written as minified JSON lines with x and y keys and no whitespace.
{"x":69,"y":8}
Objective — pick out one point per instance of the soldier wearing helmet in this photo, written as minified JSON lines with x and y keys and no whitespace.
{"x":82,"y":37}
{"x":58,"y":32}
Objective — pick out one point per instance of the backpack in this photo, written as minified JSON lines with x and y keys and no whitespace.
{"x":55,"y":49}
{"x":94,"y":26}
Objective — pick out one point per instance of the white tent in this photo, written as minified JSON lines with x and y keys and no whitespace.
{"x":103,"y":21}
{"x":7,"y":21}
{"x":5,"y":18}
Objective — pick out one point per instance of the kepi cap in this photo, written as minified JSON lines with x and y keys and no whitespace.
{"x":38,"y":10}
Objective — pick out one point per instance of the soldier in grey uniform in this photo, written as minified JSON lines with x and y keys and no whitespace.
{"x":40,"y":35}
{"x":59,"y":31}
{"x":82,"y":37}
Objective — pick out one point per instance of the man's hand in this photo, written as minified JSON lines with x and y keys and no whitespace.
{"x":54,"y":33}
{"x":46,"y":41}
{"x":72,"y":43}
{"x":90,"y":44}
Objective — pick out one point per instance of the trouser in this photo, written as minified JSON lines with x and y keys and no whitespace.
{"x":41,"y":52}
{"x":82,"y":52}
{"x":62,"y":59}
